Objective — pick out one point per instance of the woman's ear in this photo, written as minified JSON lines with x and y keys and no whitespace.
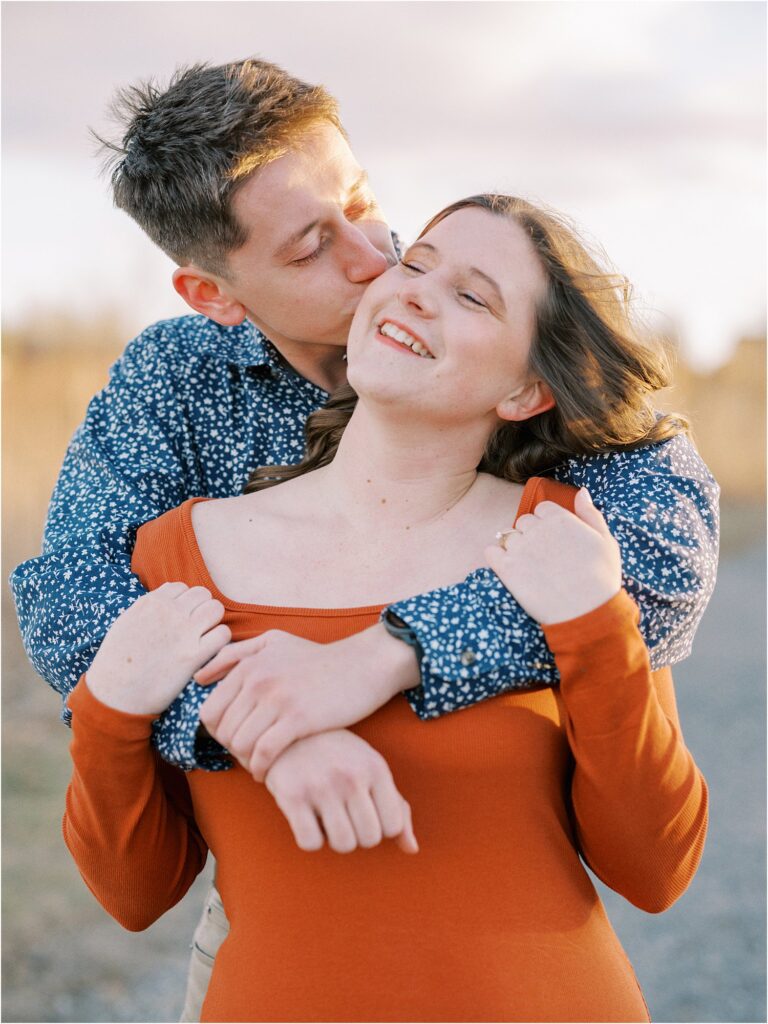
{"x":206,"y":295}
{"x":529,"y":401}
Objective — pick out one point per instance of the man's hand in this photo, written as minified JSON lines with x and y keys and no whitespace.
{"x":277,"y":688}
{"x":558,"y":565}
{"x":335,"y":786}
{"x":152,"y":649}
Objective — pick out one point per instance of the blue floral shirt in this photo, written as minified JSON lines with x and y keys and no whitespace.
{"x":192,"y":407}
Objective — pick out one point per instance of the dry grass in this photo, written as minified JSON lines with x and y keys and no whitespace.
{"x":46,"y":390}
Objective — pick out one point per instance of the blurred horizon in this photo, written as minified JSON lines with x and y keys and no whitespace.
{"x":644,"y":122}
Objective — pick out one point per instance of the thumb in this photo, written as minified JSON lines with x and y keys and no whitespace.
{"x":588,"y":513}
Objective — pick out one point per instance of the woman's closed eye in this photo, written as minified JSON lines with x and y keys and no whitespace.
{"x":466,"y":296}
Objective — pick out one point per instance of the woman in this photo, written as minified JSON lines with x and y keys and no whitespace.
{"x":465,"y":359}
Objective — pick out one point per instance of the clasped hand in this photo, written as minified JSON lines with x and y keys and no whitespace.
{"x":279,"y":709}
{"x":275,"y":689}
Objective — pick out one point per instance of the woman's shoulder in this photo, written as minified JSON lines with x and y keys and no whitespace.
{"x":163,"y":552}
{"x":541,"y":488}
{"x":527,"y":496}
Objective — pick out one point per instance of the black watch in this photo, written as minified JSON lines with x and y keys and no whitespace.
{"x":395,"y":626}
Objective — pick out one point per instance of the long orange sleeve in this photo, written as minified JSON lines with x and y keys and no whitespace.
{"x":128,"y":821}
{"x":639,"y":801}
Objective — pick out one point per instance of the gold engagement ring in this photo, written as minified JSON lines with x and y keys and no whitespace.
{"x":502,"y":535}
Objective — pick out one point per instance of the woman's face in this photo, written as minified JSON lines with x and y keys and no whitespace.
{"x":447,"y":332}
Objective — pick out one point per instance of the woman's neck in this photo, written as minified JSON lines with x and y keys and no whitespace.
{"x":399,"y":474}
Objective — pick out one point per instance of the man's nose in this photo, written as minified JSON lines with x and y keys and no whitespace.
{"x":364,"y":261}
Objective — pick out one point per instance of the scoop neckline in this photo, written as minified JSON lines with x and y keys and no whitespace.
{"x":526,"y":502}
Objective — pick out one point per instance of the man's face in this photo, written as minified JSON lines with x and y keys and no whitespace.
{"x":316,"y":238}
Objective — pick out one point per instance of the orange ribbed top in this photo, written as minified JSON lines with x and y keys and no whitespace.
{"x":495,"y":919}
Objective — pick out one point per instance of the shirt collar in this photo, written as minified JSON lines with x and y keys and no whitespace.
{"x":244,"y":345}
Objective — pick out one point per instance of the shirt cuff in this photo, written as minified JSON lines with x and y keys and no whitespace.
{"x":475,"y":642}
{"x":176,"y":734}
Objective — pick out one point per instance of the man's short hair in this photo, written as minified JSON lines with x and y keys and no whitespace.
{"x":186,"y":149}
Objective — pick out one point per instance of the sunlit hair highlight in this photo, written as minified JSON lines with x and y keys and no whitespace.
{"x":186,"y":149}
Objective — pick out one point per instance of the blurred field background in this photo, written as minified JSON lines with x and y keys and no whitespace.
{"x":643,"y":120}
{"x":65,"y":960}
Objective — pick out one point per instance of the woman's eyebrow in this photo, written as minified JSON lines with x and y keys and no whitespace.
{"x":473,"y":271}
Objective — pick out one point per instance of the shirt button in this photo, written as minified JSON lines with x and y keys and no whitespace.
{"x":468,"y":657}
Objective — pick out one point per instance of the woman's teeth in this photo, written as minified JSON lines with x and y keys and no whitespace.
{"x":390,"y":331}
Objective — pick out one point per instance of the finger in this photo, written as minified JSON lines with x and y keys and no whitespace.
{"x":525,"y":522}
{"x":214,"y":705}
{"x":227,"y":658}
{"x":365,"y":820}
{"x":304,"y":825}
{"x":547,"y":509}
{"x":505,"y":537}
{"x":192,"y":598}
{"x":498,"y":560}
{"x":213,"y":641}
{"x":235,"y":714}
{"x":407,"y":838}
{"x":389,"y":807}
{"x":585,"y":509}
{"x":337,"y":826}
{"x":205,"y":616}
{"x":173,"y":589}
{"x":273,"y":742}
{"x":244,"y":734}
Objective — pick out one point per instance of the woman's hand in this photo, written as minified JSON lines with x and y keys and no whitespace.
{"x":558,"y":565}
{"x":335,"y":786}
{"x":153,"y":648}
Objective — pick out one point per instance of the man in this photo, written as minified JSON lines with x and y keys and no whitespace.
{"x":243,"y":175}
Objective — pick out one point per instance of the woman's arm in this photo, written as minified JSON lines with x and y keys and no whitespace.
{"x":128,"y":821}
{"x":639,"y":801}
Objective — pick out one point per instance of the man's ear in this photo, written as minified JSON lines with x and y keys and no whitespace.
{"x":205,"y":294}
{"x":529,"y":401}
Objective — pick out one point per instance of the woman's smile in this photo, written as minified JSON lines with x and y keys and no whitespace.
{"x":391,"y":332}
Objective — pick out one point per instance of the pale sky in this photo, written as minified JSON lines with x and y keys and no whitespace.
{"x":645,"y":122}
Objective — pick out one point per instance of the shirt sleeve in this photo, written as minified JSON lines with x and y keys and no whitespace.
{"x":639,"y":801}
{"x":125,"y":465}
{"x":128,"y":821}
{"x":661,"y":503}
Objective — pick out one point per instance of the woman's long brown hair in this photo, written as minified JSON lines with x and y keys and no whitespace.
{"x":585,"y":348}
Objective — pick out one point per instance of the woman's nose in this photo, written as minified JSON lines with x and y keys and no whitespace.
{"x":417,"y":293}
